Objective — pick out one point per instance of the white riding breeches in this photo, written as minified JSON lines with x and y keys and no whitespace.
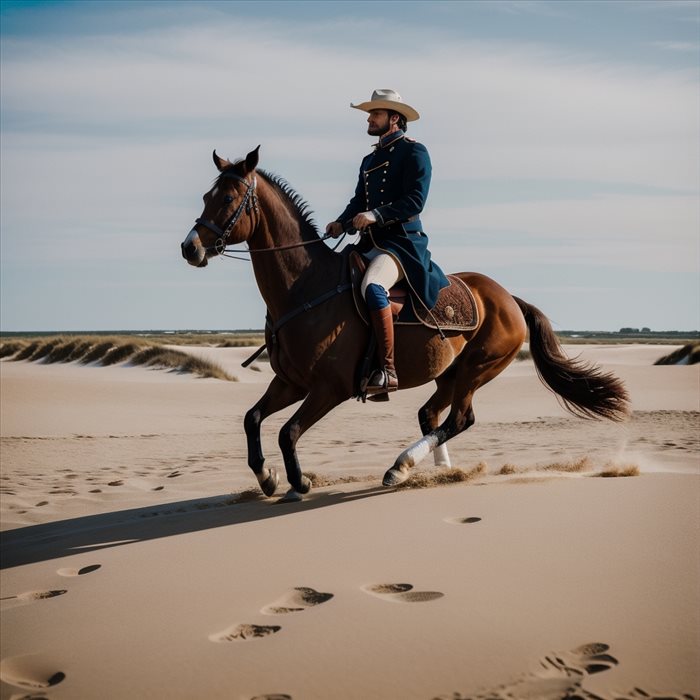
{"x":382,"y":270}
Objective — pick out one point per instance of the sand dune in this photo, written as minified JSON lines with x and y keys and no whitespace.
{"x":137,"y":562}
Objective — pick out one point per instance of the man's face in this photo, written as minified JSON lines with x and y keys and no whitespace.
{"x":378,"y":122}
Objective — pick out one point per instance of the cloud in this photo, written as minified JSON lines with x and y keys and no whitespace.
{"x":690,"y":46}
{"x":107,"y":137}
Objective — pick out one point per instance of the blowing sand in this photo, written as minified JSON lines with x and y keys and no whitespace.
{"x":136,"y":564}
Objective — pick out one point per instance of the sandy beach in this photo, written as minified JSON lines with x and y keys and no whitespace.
{"x":137,"y":564}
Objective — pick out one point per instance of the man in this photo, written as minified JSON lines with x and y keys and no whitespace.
{"x":390,"y":195}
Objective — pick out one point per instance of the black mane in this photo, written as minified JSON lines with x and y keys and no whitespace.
{"x":299,"y":204}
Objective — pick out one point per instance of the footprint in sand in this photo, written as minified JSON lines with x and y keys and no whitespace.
{"x":35,"y":671}
{"x":401,"y":593}
{"x":244,"y":632}
{"x":561,"y":675}
{"x":463,"y":521}
{"x":79,"y":572}
{"x":298,"y":599}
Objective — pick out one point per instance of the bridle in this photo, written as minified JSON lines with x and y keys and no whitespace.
{"x":249,"y":201}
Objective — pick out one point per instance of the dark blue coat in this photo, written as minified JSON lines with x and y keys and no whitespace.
{"x":394,"y":182}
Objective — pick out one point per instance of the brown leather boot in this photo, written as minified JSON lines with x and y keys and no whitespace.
{"x":384,"y":380}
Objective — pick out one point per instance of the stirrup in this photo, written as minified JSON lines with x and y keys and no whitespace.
{"x":382,"y":381}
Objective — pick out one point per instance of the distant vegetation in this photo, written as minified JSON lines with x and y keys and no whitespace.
{"x":629,"y":335}
{"x":211,"y":338}
{"x":109,"y":350}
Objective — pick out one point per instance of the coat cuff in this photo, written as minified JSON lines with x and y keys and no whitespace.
{"x":379,"y":217}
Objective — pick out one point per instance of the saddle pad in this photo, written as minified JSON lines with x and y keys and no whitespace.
{"x":455,"y":309}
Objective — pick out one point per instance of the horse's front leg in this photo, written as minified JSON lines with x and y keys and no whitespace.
{"x":278,"y":396}
{"x":316,"y":405}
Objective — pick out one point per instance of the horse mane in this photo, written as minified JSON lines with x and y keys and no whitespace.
{"x":300,"y":207}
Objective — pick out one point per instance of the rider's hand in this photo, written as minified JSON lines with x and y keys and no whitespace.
{"x":362,"y":221}
{"x":334,"y":229}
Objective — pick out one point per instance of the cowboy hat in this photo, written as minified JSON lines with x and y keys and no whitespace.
{"x":388,"y":99}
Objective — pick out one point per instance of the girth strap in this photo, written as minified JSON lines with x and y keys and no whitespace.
{"x":274,"y":327}
{"x":307,"y":306}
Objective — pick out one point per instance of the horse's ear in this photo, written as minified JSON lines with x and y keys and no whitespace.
{"x":251,"y":160}
{"x":220,"y":163}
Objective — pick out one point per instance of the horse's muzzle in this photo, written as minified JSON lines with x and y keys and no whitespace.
{"x":193,"y":251}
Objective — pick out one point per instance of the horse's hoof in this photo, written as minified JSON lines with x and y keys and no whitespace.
{"x":296,"y":492}
{"x":395,"y":476}
{"x":268,"y":483}
{"x":291,"y":496}
{"x":305,"y":485}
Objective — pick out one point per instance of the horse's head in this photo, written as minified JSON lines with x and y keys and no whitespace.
{"x":230,"y":211}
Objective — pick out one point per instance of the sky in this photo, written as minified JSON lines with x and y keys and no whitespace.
{"x":564,"y":138}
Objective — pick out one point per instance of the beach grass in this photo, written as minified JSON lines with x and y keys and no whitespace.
{"x":110,"y":350}
{"x":689,"y":354}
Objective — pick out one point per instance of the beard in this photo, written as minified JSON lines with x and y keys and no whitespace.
{"x":378,"y":129}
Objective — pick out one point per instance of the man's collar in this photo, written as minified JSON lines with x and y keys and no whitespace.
{"x":388,"y":139}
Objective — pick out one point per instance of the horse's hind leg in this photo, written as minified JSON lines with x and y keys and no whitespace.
{"x":278,"y":396}
{"x":474,"y":371}
{"x":429,"y":415}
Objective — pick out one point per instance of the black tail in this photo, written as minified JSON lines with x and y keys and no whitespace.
{"x":583,"y":388}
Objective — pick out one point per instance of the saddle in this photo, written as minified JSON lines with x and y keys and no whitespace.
{"x":455,"y":309}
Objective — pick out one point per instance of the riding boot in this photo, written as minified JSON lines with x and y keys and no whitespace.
{"x":384,"y":380}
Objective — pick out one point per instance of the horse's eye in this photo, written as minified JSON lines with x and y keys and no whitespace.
{"x":228,"y":199}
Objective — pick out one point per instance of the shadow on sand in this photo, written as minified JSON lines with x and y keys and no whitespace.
{"x":36,"y":543}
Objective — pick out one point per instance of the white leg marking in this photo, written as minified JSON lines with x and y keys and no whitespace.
{"x":417,"y":452}
{"x":442,"y":459}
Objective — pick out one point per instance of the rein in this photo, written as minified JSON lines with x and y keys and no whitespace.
{"x":226,"y":252}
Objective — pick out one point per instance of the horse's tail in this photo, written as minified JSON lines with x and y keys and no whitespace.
{"x":583,"y":388}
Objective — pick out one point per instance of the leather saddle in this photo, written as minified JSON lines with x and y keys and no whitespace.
{"x":455,"y":309}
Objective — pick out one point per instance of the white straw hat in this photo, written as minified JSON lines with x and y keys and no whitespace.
{"x":388,"y":99}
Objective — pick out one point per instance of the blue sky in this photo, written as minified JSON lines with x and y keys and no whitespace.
{"x":565,"y":140}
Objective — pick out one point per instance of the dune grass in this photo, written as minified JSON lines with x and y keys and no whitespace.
{"x":687,"y":355}
{"x":110,"y":350}
{"x":11,"y":348}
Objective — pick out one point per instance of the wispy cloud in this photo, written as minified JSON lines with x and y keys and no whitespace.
{"x":684,"y":46}
{"x":112,"y":133}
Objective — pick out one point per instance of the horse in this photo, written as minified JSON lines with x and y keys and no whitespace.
{"x":315,"y":337}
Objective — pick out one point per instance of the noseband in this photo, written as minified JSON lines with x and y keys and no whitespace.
{"x":250,"y":200}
